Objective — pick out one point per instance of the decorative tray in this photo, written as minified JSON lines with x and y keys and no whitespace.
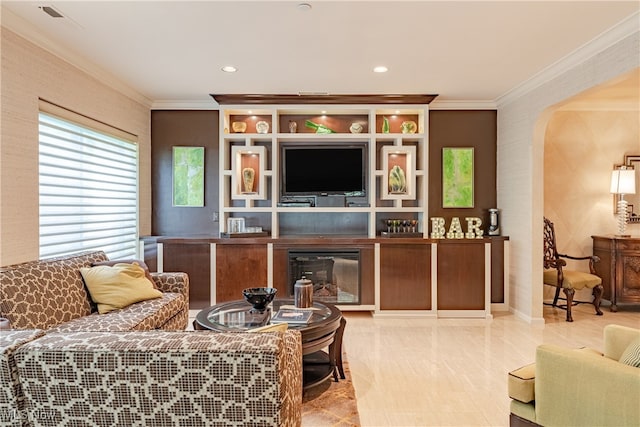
{"x":245,"y":234}
{"x":387,"y":234}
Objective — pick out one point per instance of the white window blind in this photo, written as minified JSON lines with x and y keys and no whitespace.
{"x":88,"y":190}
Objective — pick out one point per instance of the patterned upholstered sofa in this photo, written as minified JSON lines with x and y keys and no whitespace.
{"x":160,"y":378}
{"x":12,"y":402}
{"x":64,"y":364}
{"x":50,"y":294}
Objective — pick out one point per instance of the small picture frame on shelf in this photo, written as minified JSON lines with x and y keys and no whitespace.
{"x":399,"y":167}
{"x":247,"y":175}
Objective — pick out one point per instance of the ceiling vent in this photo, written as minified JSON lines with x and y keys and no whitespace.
{"x":51,"y":11}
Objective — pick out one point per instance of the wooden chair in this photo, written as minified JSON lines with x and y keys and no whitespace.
{"x":568,"y":280}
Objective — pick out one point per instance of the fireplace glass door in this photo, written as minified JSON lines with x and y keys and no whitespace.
{"x":335,"y":274}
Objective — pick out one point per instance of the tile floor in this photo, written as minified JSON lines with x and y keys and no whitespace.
{"x":453,"y":372}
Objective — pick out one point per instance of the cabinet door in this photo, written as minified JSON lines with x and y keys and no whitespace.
{"x":239,"y":267}
{"x":405,"y":277}
{"x":193,"y":259}
{"x":497,"y":270}
{"x":629,"y":271}
{"x":461,"y":276}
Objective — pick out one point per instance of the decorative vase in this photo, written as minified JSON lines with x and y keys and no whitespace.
{"x":385,"y":125}
{"x":408,"y":127}
{"x":248,"y":175}
{"x":303,"y":293}
{"x":239,"y":127}
{"x":293,"y":126}
{"x":262,"y":127}
{"x":355,"y":128}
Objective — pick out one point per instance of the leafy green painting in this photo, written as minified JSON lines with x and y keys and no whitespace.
{"x":457,"y":177}
{"x":188,"y":176}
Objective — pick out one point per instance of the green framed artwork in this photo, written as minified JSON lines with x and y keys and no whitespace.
{"x":457,"y":177}
{"x":188,"y":176}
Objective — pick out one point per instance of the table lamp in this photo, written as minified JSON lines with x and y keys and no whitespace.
{"x":623,"y":181}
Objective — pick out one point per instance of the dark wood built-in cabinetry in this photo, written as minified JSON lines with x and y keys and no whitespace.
{"x":619,"y":268}
{"x":420,"y":276}
{"x":400,"y":275}
{"x":405,"y":276}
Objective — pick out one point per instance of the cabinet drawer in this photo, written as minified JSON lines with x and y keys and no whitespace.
{"x":629,"y":245}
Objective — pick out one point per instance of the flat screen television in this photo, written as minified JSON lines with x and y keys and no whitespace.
{"x":328,"y":169}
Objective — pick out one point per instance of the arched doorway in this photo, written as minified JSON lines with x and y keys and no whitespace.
{"x":578,"y":142}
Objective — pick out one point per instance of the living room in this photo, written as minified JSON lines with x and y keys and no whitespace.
{"x":37,"y":67}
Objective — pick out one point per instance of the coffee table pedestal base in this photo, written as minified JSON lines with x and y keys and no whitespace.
{"x":316,"y":369}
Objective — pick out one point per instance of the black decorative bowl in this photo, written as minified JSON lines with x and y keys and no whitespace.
{"x":259,"y":298}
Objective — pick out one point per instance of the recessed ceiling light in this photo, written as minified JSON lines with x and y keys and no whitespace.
{"x":380,"y":69}
{"x":229,"y":69}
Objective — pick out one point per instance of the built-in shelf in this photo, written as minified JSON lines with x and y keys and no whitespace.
{"x":396,"y":144}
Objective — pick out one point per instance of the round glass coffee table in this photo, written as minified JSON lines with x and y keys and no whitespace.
{"x":324,"y":329}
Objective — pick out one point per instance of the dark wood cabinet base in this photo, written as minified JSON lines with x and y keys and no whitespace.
{"x":396,"y":275}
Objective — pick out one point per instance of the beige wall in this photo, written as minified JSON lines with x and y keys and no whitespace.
{"x":29,"y":73}
{"x":522,"y":123}
{"x":580,"y":150}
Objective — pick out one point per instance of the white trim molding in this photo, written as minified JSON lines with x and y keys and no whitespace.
{"x":187,"y":104}
{"x":447,"y":104}
{"x":613,"y":35}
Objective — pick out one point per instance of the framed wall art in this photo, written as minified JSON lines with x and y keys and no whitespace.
{"x":457,"y":177}
{"x":188,"y":176}
{"x":248,"y":172}
{"x":632,"y":161}
{"x":398,"y":179}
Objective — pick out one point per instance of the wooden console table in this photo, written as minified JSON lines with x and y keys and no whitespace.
{"x":619,"y":268}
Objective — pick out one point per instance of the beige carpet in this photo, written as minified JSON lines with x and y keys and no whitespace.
{"x":331,"y":403}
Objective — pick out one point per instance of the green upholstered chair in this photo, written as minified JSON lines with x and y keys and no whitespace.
{"x":580,"y":386}
{"x":568,"y":280}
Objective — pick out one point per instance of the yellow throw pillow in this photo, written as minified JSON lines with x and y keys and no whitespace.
{"x":117,"y":286}
{"x":130,"y":261}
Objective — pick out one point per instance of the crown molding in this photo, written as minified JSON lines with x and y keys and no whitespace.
{"x":28,"y":31}
{"x":185,"y":105}
{"x":212,"y":105}
{"x":608,"y":38}
{"x":462,"y":105}
{"x":321,"y":99}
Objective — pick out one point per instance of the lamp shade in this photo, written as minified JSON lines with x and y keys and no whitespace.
{"x":623,"y":181}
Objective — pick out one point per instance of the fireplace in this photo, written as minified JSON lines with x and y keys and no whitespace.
{"x":335,"y":274}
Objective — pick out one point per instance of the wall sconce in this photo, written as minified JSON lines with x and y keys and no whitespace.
{"x":623,"y":181}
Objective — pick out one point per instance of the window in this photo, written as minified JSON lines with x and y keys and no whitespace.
{"x":88,"y":189}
